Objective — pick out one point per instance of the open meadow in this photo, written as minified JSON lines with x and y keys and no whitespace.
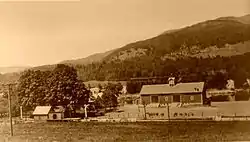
{"x":147,"y":131}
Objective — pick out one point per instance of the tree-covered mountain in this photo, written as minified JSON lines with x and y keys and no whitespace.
{"x":204,"y":37}
{"x":98,"y":57}
{"x":211,"y":51}
{"x":207,"y":51}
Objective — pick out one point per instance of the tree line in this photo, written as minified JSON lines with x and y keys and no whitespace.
{"x":215,"y":71}
{"x":60,"y":87}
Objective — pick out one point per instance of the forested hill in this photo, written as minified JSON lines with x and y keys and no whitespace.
{"x":206,"y":51}
{"x":202,"y":52}
{"x":221,"y":33}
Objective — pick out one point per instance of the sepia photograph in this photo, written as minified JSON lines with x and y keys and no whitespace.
{"x":124,"y":70}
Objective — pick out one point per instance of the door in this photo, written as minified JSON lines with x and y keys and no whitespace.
{"x":176,"y":98}
{"x":154,"y":99}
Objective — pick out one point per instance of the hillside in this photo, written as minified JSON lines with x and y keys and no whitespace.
{"x":98,"y":57}
{"x":221,"y":33}
{"x":244,"y":19}
{"x":4,"y":70}
{"x":195,"y":53}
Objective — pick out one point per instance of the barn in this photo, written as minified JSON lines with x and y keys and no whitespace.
{"x":41,"y":113}
{"x":181,"y":93}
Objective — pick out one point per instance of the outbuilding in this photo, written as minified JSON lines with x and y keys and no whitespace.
{"x":57,"y":113}
{"x":41,"y":113}
{"x":44,"y":113}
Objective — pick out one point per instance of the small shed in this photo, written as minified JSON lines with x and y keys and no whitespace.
{"x":41,"y":113}
{"x":57,"y":113}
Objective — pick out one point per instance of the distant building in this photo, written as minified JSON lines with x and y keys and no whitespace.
{"x":96,"y":92}
{"x":44,"y":113}
{"x":226,"y":92}
{"x":124,"y":89}
{"x":192,"y":92}
{"x":230,"y":84}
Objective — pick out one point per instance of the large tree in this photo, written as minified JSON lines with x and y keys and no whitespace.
{"x":60,"y":86}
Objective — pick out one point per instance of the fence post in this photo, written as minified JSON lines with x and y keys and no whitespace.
{"x":21,"y":112}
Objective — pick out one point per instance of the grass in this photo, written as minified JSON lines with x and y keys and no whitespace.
{"x":150,"y":131}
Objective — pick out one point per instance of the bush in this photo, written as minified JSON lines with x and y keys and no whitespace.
{"x":242,"y":96}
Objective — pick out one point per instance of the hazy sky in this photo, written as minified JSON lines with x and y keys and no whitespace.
{"x":37,"y":33}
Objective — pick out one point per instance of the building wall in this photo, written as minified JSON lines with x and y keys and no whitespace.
{"x":58,"y":116}
{"x":40,"y":117}
{"x":193,"y":98}
{"x":164,"y":99}
{"x":145,"y":99}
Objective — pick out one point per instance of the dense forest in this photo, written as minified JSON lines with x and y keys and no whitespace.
{"x":215,"y":71}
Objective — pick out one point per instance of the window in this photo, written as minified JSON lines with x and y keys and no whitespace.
{"x":154,"y":99}
{"x":54,"y":116}
{"x":192,"y":98}
{"x":166,"y":99}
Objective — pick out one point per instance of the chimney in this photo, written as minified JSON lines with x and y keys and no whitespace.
{"x":171,"y":81}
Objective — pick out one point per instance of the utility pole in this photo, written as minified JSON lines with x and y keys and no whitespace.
{"x":10,"y":115}
{"x":9,"y":87}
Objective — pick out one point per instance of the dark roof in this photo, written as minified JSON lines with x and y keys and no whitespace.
{"x":59,"y":109}
{"x":192,"y":87}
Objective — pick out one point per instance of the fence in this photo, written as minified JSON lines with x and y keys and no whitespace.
{"x":178,"y":115}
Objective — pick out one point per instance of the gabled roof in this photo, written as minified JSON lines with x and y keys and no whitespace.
{"x":59,"y":109}
{"x":42,"y":110}
{"x":192,"y":87}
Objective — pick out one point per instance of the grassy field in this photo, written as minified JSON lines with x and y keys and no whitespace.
{"x":154,"y":131}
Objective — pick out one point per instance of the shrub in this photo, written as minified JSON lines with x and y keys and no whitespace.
{"x":242,"y":96}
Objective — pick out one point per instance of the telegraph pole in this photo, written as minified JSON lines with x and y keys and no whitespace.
{"x":9,"y":85}
{"x":10,"y":115}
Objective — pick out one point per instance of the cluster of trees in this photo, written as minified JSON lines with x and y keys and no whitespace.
{"x":60,"y":86}
{"x":109,"y":97}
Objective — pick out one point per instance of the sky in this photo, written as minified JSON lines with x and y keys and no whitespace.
{"x":38,"y":32}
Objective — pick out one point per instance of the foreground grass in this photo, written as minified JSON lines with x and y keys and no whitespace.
{"x":155,"y":131}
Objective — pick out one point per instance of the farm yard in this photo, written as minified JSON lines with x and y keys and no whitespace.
{"x":235,"y":108}
{"x":150,"y":131}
